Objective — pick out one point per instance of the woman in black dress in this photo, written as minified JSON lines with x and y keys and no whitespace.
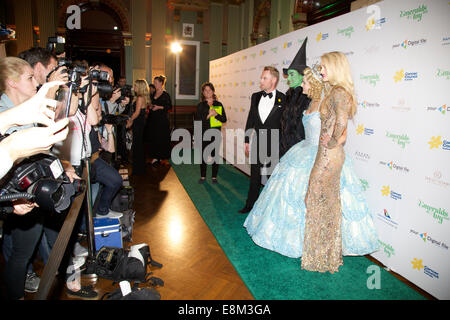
{"x":137,"y":123}
{"x":212,"y":114}
{"x":158,"y":122}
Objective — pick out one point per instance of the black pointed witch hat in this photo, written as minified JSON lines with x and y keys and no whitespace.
{"x":299,"y":62}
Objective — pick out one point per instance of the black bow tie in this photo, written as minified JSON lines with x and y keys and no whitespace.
{"x":265,"y":94}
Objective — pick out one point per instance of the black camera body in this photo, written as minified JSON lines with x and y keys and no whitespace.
{"x":43,"y":178}
{"x":125,"y":91}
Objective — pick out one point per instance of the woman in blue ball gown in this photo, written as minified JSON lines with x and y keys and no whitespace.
{"x":277,"y":220}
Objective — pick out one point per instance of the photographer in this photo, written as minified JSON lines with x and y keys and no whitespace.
{"x":117,"y":103}
{"x":30,"y":141}
{"x":47,"y":68}
{"x":17,"y":85}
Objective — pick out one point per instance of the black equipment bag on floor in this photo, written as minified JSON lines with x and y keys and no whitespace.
{"x":119,"y":264}
{"x":123,"y":200}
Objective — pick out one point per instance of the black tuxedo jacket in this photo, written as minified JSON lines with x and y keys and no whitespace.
{"x":273,"y":121}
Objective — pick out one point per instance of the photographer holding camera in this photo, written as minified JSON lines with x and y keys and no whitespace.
{"x":17,"y":85}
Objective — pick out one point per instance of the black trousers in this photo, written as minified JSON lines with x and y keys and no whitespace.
{"x":215,"y":166}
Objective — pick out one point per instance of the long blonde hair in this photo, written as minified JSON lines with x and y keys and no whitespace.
{"x":339,"y":74}
{"x":142,"y":90}
{"x":11,"y":68}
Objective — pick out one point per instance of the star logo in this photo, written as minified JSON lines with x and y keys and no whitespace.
{"x":385,"y":191}
{"x":390,"y":165}
{"x":435,"y":142}
{"x":399,"y":75}
{"x":360,"y":129}
{"x":319,"y":36}
{"x":370,"y":24}
{"x":417,"y":264}
{"x":443,"y":108}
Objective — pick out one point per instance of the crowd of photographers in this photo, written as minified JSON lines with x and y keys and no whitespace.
{"x":69,"y":111}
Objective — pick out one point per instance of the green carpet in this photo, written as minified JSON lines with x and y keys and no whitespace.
{"x":269,"y":275}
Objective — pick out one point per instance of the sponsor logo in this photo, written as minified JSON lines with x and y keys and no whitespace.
{"x":414,"y":14}
{"x":442,"y":109}
{"x":406,"y":76}
{"x":374,"y":23}
{"x":409,"y":43}
{"x":428,"y":239}
{"x":372,"y":49}
{"x":362,"y":156}
{"x":364,"y":184}
{"x":445,"y":41}
{"x":443,"y":74}
{"x":372,"y":79}
{"x":401,"y":106}
{"x":417,"y":264}
{"x":387,"y":248}
{"x":262,"y":52}
{"x":386,"y":218}
{"x":367,"y":131}
{"x":438,"y":143}
{"x":253,"y":55}
{"x":347,"y":32}
{"x":400,"y":139}
{"x":386,"y":191}
{"x":393,"y":166}
{"x":274,"y":50}
{"x":287,"y":45}
{"x":439,"y":214}
{"x":437,"y":180}
{"x":365,"y":104}
{"x":321,"y":36}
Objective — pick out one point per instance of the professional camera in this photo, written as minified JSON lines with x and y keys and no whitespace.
{"x":101,"y":79}
{"x":125,"y":91}
{"x":42,"y":179}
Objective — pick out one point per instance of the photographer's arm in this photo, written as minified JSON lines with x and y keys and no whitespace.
{"x":31,"y":141}
{"x":34,"y":110}
{"x":92,"y":111}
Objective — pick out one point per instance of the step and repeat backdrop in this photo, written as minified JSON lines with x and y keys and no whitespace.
{"x":399,"y":141}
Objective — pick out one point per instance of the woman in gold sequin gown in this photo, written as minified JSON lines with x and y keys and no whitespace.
{"x":322,"y":249}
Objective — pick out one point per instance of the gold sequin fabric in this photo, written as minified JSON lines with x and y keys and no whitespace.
{"x":323,"y":239}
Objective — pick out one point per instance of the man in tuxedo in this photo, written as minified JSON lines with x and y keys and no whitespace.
{"x":264,"y":121}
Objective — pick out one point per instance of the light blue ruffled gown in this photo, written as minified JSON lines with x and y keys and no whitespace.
{"x":277,"y":220}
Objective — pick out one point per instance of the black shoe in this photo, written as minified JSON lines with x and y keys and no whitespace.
{"x":202,"y":180}
{"x":214,"y":180}
{"x":86,"y":292}
{"x":245,"y":210}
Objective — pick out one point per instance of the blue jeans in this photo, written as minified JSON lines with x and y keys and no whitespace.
{"x":111,"y":181}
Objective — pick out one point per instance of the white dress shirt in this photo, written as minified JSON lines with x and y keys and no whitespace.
{"x":265,"y":106}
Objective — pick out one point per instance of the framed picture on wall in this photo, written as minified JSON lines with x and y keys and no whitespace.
{"x":188,"y":30}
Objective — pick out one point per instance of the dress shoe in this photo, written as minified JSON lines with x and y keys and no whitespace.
{"x":201,"y":180}
{"x":245,"y":210}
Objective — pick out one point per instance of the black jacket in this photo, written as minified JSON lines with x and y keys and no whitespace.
{"x":203,"y":111}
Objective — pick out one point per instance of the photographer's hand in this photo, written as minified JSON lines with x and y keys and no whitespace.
{"x":28,"y":142}
{"x":34,"y":110}
{"x":22,"y":207}
{"x":116,"y":95}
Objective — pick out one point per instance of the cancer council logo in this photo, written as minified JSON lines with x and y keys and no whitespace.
{"x":321,"y":36}
{"x":436,"y":142}
{"x":362,"y":130}
{"x":401,"y":75}
{"x":386,"y":191}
